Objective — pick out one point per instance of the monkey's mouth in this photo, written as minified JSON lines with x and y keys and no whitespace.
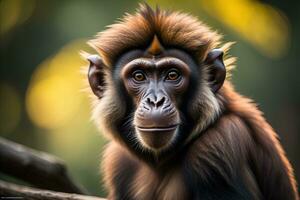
{"x":159,"y":129}
{"x":156,"y":137}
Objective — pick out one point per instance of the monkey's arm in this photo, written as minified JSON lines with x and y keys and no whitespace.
{"x":266,"y":159}
{"x":270,"y":166}
{"x":265,"y":156}
{"x":217,"y":162}
{"x":119,"y":169}
{"x":233,"y":161}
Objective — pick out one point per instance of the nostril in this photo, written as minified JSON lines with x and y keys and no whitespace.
{"x":160,"y":102}
{"x":150,"y":102}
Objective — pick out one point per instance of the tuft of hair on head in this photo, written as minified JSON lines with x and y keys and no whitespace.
{"x":156,"y":29}
{"x":155,"y":47}
{"x":172,"y":29}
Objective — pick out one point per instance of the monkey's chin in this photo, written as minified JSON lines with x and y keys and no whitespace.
{"x":156,"y":138}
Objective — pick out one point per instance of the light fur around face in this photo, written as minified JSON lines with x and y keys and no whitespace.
{"x":107,"y":111}
{"x":204,"y":103}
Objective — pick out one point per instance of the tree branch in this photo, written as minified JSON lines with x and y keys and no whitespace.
{"x":17,"y":192}
{"x":37,"y":168}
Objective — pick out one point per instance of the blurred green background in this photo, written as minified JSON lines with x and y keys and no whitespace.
{"x":42,"y":104}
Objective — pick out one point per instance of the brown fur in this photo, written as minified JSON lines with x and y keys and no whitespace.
{"x":237,"y":137}
{"x":173,"y":29}
{"x":232,"y":140}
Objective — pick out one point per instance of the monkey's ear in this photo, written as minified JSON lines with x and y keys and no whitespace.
{"x":96,"y":75}
{"x":218,"y":71}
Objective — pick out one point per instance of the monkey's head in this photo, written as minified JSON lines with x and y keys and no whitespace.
{"x":156,"y":80}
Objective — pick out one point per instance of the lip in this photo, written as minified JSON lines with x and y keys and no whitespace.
{"x":158,"y":129}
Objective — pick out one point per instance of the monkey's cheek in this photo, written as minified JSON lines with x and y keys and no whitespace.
{"x":156,"y":139}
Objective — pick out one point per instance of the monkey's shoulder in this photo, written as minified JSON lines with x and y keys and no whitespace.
{"x":216,"y":163}
{"x":229,"y":132}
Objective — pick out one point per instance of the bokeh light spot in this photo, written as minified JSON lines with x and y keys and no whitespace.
{"x":54,"y":95}
{"x":262,"y":25}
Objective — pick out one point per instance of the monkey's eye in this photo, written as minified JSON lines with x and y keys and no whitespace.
{"x":173,"y":75}
{"x":139,"y":76}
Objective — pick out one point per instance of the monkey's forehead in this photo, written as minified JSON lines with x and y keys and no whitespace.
{"x":138,"y":30}
{"x":168,"y":58}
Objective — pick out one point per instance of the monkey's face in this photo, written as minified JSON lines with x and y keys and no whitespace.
{"x":156,"y":85}
{"x":156,"y":97}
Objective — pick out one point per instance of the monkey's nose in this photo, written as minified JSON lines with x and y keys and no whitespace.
{"x":155,"y":102}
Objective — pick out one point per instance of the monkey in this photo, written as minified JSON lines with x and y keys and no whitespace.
{"x":177,"y":128}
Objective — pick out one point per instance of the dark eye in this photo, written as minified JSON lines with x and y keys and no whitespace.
{"x":173,"y":75}
{"x":139,"y":76}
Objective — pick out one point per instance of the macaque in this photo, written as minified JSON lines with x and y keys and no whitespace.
{"x":177,"y":128}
